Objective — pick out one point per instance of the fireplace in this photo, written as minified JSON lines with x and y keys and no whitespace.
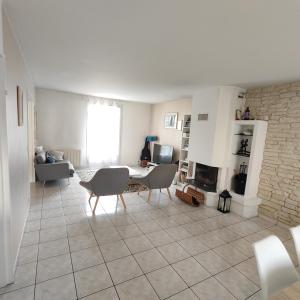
{"x":206,"y":177}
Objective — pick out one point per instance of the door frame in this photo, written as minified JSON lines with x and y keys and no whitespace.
{"x":30,"y":136}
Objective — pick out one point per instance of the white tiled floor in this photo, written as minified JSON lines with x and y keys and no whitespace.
{"x":158,"y":250}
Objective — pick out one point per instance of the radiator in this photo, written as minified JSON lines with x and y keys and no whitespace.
{"x":73,"y":155}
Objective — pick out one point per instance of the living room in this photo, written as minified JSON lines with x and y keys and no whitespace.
{"x":140,"y":161}
{"x":138,"y":120}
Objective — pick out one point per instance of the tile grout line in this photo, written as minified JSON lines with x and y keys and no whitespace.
{"x":154,"y":247}
{"x":253,"y":294}
{"x":123,"y":239}
{"x":228,"y":289}
{"x":169,"y":264}
{"x":76,"y":293}
{"x":131,"y":254}
{"x":209,"y":248}
{"x":103,"y":259}
{"x":164,"y":229}
{"x":36,"y":271}
{"x":144,"y":274}
{"x":188,"y":288}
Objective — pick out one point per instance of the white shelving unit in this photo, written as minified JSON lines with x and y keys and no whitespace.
{"x":185,"y":166}
{"x":247,"y":204}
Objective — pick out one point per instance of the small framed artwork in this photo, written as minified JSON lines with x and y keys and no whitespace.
{"x":20,"y":105}
{"x":171,"y":120}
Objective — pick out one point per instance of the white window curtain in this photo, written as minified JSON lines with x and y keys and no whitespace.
{"x":103,"y":132}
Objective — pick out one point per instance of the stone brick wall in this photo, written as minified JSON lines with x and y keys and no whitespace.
{"x":279,"y":185}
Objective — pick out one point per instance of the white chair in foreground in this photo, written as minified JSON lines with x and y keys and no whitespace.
{"x":295,"y":231}
{"x":275,"y":267}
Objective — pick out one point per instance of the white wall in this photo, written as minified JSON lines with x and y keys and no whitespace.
{"x":61,"y":120}
{"x":135,"y":127}
{"x":61,"y":123}
{"x":166,"y":135}
{"x":202,"y":135}
{"x":16,"y":74}
{"x":5,"y":262}
{"x":209,"y":138}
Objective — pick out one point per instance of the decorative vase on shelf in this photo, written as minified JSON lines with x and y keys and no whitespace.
{"x":246,"y":115}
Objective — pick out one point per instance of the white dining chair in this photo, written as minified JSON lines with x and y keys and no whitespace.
{"x":295,"y":231}
{"x":275,"y":267}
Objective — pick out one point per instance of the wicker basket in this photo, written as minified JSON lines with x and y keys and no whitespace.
{"x":192,"y":197}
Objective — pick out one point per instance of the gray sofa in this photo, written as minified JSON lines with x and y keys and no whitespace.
{"x":47,"y":171}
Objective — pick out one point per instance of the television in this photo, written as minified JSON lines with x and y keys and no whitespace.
{"x":162,"y":154}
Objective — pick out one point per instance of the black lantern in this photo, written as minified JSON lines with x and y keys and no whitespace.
{"x":224,"y":202}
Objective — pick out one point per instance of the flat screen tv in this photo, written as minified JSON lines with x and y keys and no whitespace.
{"x":163,"y":154}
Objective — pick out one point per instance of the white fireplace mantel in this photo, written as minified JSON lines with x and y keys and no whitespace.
{"x":213,"y":109}
{"x":214,"y":141}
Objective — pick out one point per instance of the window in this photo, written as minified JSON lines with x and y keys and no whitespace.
{"x":103,"y":133}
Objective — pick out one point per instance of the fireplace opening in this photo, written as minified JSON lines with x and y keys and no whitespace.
{"x":206,"y":177}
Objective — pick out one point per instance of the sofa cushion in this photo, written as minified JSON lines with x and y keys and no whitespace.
{"x":40,"y":158}
{"x":57,"y":155}
{"x":39,"y":149}
{"x":71,"y":168}
{"x":49,"y":159}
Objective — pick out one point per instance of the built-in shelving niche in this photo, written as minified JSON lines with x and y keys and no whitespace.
{"x":185,"y":166}
{"x":246,"y":204}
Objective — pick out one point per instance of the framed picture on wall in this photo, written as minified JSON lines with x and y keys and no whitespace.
{"x":171,"y":120}
{"x":20,"y":105}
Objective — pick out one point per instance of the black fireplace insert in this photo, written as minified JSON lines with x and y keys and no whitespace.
{"x":206,"y":178}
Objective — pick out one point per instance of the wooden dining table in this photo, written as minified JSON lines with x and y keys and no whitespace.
{"x":292,"y":292}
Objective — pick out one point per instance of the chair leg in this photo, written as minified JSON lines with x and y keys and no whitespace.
{"x":44,"y":182}
{"x":122,"y":199}
{"x":139,"y":189}
{"x":169,"y":194}
{"x":91,"y":195}
{"x":96,"y":203}
{"x":149,"y":195}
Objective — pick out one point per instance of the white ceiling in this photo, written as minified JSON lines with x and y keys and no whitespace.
{"x":157,"y":50}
